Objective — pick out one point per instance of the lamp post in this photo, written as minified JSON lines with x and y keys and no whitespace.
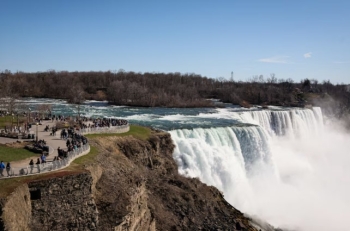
{"x":27,"y":118}
{"x":36,"y":136}
{"x":29,"y":115}
{"x":12,"y":122}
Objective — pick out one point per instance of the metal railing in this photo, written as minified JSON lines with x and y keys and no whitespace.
{"x":111,"y":129}
{"x":62,"y":163}
{"x":45,"y":167}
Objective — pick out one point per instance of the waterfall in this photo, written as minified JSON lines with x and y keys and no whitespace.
{"x":251,"y":162}
{"x":224,"y":157}
{"x":292,"y":122}
{"x":229,"y":154}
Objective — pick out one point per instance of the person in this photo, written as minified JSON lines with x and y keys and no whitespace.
{"x":31,"y":165}
{"x":8,"y":168}
{"x":43,"y":159}
{"x":54,"y":162}
{"x":68,"y":142}
{"x":2,"y":167}
{"x":38,"y":164}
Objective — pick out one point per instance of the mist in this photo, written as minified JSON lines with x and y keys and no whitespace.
{"x":312,"y":189}
{"x":297,"y":181}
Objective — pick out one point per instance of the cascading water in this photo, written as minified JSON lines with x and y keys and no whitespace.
{"x":291,"y":122}
{"x":282,"y":165}
{"x":224,"y":157}
{"x":275,"y":156}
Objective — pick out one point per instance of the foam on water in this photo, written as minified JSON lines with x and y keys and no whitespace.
{"x":140,"y":117}
{"x":175,"y":117}
{"x":282,"y":164}
{"x":290,"y":170}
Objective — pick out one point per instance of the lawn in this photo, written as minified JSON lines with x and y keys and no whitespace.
{"x":5,"y":121}
{"x":8,"y":185}
{"x":77,"y":166}
{"x":8,"y":121}
{"x":137,"y":131}
{"x":88,"y":158}
{"x":9,"y":154}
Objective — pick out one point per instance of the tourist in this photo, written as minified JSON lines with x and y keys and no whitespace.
{"x":8,"y":168}
{"x":68,"y":143}
{"x":31,"y":165}
{"x":38,"y":164}
{"x":43,"y":159}
{"x":54,"y":164}
{"x":2,"y":167}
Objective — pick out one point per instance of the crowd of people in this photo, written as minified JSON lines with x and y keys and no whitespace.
{"x":74,"y":142}
{"x":102,"y":122}
{"x":105,"y":122}
{"x":41,"y":144}
{"x":6,"y":167}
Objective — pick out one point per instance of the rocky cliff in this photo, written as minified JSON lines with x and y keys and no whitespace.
{"x":132,"y":184}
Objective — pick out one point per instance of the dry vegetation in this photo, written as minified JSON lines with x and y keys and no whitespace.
{"x":167,"y":89}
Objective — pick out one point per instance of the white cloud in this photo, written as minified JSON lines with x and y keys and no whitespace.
{"x":308,"y":55}
{"x":275,"y":59}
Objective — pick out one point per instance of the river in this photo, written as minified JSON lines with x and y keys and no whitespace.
{"x":282,"y":165}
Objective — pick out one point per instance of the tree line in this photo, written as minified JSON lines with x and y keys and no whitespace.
{"x":173,"y":89}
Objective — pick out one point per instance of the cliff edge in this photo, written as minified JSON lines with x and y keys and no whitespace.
{"x":131,"y":184}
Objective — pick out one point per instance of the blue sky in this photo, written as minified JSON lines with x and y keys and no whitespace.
{"x":293,"y":39}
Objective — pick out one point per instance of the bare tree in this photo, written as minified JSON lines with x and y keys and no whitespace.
{"x":44,"y":109}
{"x":76,"y":95}
{"x":9,"y":104}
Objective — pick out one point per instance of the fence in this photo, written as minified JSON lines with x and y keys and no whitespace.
{"x":111,"y":129}
{"x":59,"y":164}
{"x":46,"y":167}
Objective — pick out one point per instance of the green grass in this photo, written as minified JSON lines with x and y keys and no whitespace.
{"x":8,"y":121}
{"x":88,"y":158}
{"x":77,"y":166}
{"x":7,"y":186}
{"x":137,"y":131}
{"x":8,"y":154}
{"x":5,"y":121}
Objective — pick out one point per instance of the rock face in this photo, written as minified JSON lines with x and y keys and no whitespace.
{"x":132,"y":185}
{"x":63,"y":203}
{"x":16,"y":210}
{"x":140,"y":189}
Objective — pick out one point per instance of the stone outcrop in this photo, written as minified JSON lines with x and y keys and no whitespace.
{"x":17,"y":210}
{"x":63,"y":203}
{"x":132,"y":184}
{"x":140,"y":189}
{"x":139,"y":216}
{"x":60,"y":203}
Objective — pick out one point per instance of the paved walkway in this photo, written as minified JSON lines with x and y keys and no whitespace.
{"x":52,"y":141}
{"x":21,"y":168}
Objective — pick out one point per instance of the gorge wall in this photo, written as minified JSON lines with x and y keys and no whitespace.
{"x":60,"y":203}
{"x":132,"y":184}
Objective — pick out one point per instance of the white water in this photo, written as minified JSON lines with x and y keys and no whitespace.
{"x":288,"y":169}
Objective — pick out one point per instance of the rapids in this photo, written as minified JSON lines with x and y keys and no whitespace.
{"x":283,"y":165}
